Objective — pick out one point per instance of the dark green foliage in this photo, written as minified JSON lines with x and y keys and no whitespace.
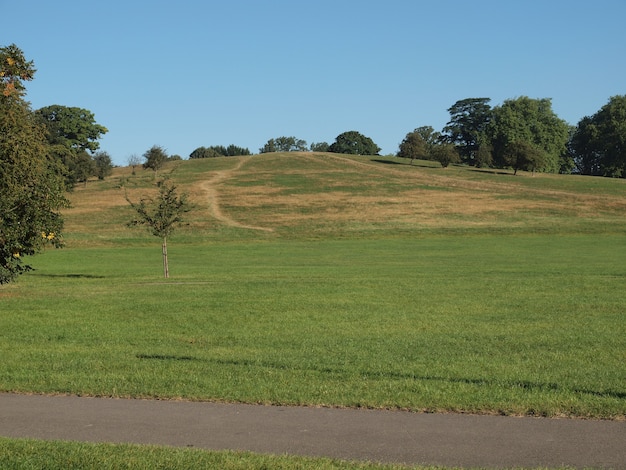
{"x":103,"y":164}
{"x":521,"y":155}
{"x":484,"y":155}
{"x":31,"y":190}
{"x":235,"y":151}
{"x":531,"y":121}
{"x":80,"y":168}
{"x":284,"y":144}
{"x":567,"y":161}
{"x":73,"y":136}
{"x":155,"y":158}
{"x":219,"y":151}
{"x":445,"y":154}
{"x":419,"y":144}
{"x":319,"y":147}
{"x":413,"y":146}
{"x":72,"y":127}
{"x":204,"y":152}
{"x":599,"y":142}
{"x":354,"y":143}
{"x":466,"y":129}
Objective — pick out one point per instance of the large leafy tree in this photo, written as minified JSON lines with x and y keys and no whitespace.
{"x":466,"y":129}
{"x":413,"y":146}
{"x":531,"y":121}
{"x":599,"y":141}
{"x":427,"y":144}
{"x":31,"y":190}
{"x":72,"y":127}
{"x":354,"y":143}
{"x":73,"y":135}
{"x":161,"y":215}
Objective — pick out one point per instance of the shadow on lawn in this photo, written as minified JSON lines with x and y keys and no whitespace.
{"x":492,"y":171}
{"x":166,"y":357}
{"x":70,"y":276}
{"x":382,"y":375}
{"x":389,"y":162}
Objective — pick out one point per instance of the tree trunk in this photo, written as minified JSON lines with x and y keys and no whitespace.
{"x":166,"y":271}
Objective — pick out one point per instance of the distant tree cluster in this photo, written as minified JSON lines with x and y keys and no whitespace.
{"x":284,"y":144}
{"x":522,"y":133}
{"x":351,"y":142}
{"x":319,"y":147}
{"x":219,"y":151}
{"x":525,"y":134}
{"x":425,"y":143}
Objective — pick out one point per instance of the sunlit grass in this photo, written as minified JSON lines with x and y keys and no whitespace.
{"x":22,"y":454}
{"x":514,"y":325}
{"x":316,"y":196}
{"x":381,"y":284}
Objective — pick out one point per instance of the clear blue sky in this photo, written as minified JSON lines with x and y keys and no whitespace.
{"x":198,"y":73}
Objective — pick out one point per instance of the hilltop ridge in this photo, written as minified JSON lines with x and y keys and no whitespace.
{"x":308,"y":194}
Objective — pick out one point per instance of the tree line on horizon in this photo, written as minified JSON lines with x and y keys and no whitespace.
{"x":522,"y":133}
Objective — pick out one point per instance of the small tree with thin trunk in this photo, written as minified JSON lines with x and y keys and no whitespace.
{"x":161,"y":214}
{"x":133,"y":161}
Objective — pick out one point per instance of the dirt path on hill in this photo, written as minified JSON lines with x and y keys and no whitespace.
{"x":210,"y":188}
{"x":453,"y":440}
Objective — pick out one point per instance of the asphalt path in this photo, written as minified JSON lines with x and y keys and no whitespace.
{"x":381,"y":436}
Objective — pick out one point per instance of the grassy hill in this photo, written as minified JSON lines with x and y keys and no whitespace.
{"x":310,"y":195}
{"x":333,"y":280}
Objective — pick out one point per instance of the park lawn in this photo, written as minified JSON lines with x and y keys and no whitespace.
{"x":328,"y":280}
{"x":520,"y":325}
{"x":28,"y":454}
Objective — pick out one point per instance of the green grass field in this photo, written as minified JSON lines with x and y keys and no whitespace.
{"x":317,"y":279}
{"x":23,"y":454}
{"x":524,"y":325}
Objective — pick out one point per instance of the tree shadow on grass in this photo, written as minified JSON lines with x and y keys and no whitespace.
{"x":389,"y":162}
{"x":386,"y":375}
{"x":70,"y":276}
{"x":492,"y":171}
{"x":166,"y":357}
